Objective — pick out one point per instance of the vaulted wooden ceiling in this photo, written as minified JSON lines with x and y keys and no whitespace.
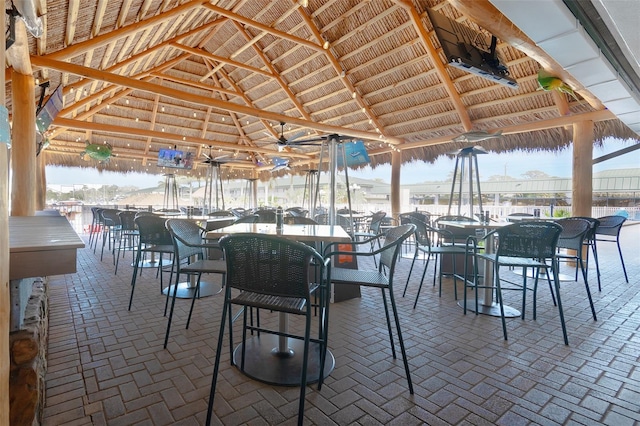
{"x":200,"y":75}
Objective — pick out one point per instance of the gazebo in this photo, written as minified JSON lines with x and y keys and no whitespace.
{"x":253,"y":81}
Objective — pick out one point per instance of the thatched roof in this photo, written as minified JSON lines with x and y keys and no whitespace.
{"x":143,"y":75}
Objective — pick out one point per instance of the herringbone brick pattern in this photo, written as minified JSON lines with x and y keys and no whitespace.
{"x":106,"y":365}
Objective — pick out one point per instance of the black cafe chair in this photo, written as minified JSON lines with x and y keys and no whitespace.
{"x":190,"y":258}
{"x":571,"y":242}
{"x":524,"y":245}
{"x":608,"y":230}
{"x":277,"y":274}
{"x":382,"y":277}
{"x":425,"y":236}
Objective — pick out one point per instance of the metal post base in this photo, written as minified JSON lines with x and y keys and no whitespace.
{"x":265,"y":363}
{"x":186,"y":289}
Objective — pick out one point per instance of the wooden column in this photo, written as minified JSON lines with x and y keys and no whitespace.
{"x":4,"y":255}
{"x":396,"y":164}
{"x":23,"y":147}
{"x":582,"y":181}
{"x":41,"y":182}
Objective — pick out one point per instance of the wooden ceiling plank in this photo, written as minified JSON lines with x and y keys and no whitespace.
{"x":196,"y":84}
{"x":266,"y":28}
{"x":101,"y":40}
{"x":437,"y":63}
{"x":98,"y":19}
{"x":41,"y":42}
{"x":204,"y":54}
{"x":144,"y":9}
{"x":72,"y":20}
{"x":124,"y":12}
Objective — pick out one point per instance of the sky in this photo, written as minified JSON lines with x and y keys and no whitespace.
{"x":512,"y":164}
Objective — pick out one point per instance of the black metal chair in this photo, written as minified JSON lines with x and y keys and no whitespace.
{"x":575,"y":232}
{"x":424,"y":244}
{"x":153,"y":238}
{"x":273,"y":273}
{"x":608,"y":230}
{"x":372,"y":232}
{"x":266,"y":216}
{"x":110,"y":231}
{"x":96,"y":227}
{"x":382,"y":277}
{"x":590,"y":242}
{"x":128,"y":235}
{"x":190,"y":258}
{"x":520,"y":245}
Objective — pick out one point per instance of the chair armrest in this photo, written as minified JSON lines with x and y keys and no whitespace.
{"x":353,"y":243}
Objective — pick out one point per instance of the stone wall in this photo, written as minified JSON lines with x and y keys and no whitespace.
{"x":28,"y":360}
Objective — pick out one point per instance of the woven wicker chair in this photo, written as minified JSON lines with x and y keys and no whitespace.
{"x":575,"y":232}
{"x":273,"y":273}
{"x":381,"y":277}
{"x":153,"y":237}
{"x":190,"y":259}
{"x":608,"y":230}
{"x":521,"y":245}
{"x":424,"y":238}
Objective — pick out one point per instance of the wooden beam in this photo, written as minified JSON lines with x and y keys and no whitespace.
{"x":18,"y":53}
{"x":201,"y":100}
{"x":454,"y":96}
{"x":5,"y":303}
{"x":582,"y":176}
{"x":23,"y":147}
{"x":102,"y":40}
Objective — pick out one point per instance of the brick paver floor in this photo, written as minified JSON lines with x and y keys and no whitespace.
{"x":106,"y":365}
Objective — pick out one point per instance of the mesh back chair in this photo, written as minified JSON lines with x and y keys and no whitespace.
{"x":424,"y":236}
{"x":382,"y":277}
{"x":153,"y":238}
{"x":322,"y":218}
{"x":575,"y":232}
{"x":455,"y":235}
{"x":128,"y":234}
{"x":273,"y":273}
{"x":608,"y":230}
{"x":190,"y":259}
{"x":590,"y":242}
{"x":374,"y":230}
{"x":520,"y":245}
{"x":110,"y":231}
{"x":96,"y":226}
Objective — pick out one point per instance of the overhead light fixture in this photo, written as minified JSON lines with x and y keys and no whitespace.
{"x":343,"y":73}
{"x":325,"y":46}
{"x":304,"y":3}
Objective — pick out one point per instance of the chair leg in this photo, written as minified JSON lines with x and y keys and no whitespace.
{"x":424,"y":272}
{"x":193,"y":300}
{"x":410,"y":270}
{"x":586,"y":286}
{"x":624,"y":269}
{"x":500,"y":301}
{"x":305,"y":363}
{"x":556,"y":283}
{"x":134,"y":276}
{"x":386,"y":311}
{"x":594,"y":249}
{"x":216,"y":364}
{"x":400,"y":339}
{"x":173,"y":303}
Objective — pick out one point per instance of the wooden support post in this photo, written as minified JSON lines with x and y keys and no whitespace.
{"x":41,"y":182}
{"x":582,"y":181}
{"x":396,"y":164}
{"x":4,"y":254}
{"x":23,"y":147}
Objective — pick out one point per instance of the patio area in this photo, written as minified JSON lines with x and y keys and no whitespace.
{"x":106,"y":365}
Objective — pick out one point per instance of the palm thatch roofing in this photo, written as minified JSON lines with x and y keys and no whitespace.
{"x":221,"y":76}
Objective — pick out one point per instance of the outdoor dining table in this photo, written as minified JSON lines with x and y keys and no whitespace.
{"x":486,"y":305}
{"x":276,"y":359}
